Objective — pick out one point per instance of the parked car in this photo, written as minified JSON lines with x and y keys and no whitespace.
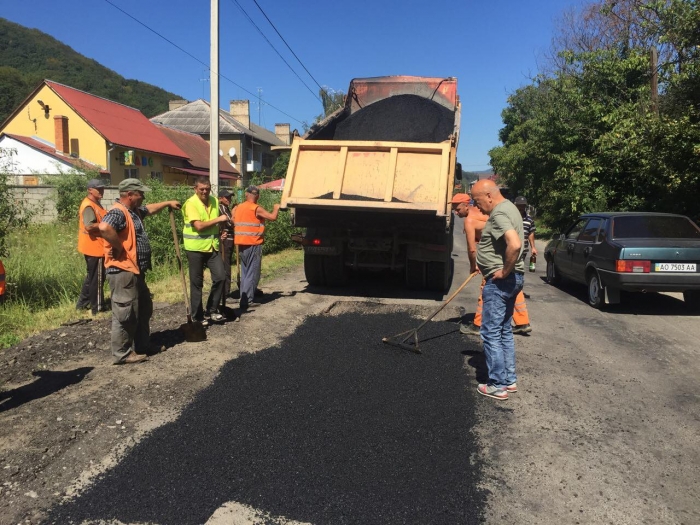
{"x":628,"y":251}
{"x":2,"y":282}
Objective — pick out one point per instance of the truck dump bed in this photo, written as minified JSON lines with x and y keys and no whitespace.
{"x":391,"y":148}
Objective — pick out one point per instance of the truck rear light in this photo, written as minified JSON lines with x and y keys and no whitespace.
{"x":316,"y":242}
{"x":633,"y":266}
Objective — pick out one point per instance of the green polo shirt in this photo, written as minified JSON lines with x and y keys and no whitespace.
{"x":491,"y":251}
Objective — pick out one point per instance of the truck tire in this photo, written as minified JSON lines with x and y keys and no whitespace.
{"x":313,"y":268}
{"x":415,"y":274}
{"x":334,"y":270}
{"x":438,"y":275}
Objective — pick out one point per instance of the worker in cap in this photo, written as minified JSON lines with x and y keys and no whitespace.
{"x":249,"y":234}
{"x":127,"y":259}
{"x":226,"y":239}
{"x":90,"y":244}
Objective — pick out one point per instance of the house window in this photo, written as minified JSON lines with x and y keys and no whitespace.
{"x":157,"y":175}
{"x":131,"y":173}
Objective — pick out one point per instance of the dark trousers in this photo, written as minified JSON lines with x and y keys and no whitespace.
{"x":198,"y":261}
{"x":251,"y":261}
{"x":132,"y":308}
{"x":227,"y":250}
{"x":92,"y":292}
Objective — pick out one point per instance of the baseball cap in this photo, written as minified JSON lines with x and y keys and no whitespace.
{"x":225,"y":192}
{"x":520,"y":200}
{"x":96,"y":183}
{"x":252,"y":189}
{"x":460,"y":197}
{"x":132,"y":185}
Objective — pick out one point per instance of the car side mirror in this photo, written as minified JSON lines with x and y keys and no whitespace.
{"x":458,"y":171}
{"x":558,"y":237}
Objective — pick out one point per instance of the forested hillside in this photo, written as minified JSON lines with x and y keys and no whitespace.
{"x":592,"y":133}
{"x":27,"y":56}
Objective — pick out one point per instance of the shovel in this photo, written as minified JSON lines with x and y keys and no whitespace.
{"x":193,"y":330}
{"x":402,"y":340}
{"x":238,"y":268}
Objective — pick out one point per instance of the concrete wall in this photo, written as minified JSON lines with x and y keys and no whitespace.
{"x":41,"y":199}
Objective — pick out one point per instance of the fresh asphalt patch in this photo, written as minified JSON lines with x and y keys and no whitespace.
{"x":330,"y":427}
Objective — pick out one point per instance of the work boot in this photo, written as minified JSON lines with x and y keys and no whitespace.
{"x":469,"y":329}
{"x":133,"y":358}
{"x":522,"y":329}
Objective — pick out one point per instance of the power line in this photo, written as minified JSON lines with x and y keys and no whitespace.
{"x":275,"y":50}
{"x":198,"y":60}
{"x":290,"y":49}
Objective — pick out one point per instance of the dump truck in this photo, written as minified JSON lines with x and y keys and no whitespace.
{"x":372,"y":183}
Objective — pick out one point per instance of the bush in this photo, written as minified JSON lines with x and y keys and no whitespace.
{"x":71,"y":189}
{"x":13,"y":213}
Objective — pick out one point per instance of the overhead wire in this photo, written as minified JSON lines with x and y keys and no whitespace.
{"x":288,"y":47}
{"x":197,"y":59}
{"x":275,"y":50}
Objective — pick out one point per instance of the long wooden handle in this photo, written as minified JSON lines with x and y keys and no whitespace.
{"x":238,"y":268}
{"x":176,"y":241}
{"x":445,"y":303}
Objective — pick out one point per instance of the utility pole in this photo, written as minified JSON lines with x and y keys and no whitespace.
{"x":654,"y":81}
{"x":214,"y":101}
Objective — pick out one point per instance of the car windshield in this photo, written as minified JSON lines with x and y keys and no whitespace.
{"x":654,"y":227}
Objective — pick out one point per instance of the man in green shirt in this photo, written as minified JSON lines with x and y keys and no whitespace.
{"x":499,"y":261}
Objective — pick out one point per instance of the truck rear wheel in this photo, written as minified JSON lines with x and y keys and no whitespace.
{"x":325,"y":270}
{"x":415,"y":274}
{"x":438,"y":275}
{"x":313,"y":268}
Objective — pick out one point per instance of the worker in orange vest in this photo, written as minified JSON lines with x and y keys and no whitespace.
{"x":90,"y":244}
{"x":127,"y":259}
{"x":249,"y":234}
{"x":474,"y":222}
{"x":2,"y":282}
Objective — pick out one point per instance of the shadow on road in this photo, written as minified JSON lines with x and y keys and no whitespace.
{"x":635,"y":303}
{"x":47,"y":383}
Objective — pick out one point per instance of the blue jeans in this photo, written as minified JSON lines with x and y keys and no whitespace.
{"x":496,"y":333}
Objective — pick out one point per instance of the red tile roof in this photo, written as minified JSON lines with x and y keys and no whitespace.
{"x":118,"y":124}
{"x":197,"y":149}
{"x":51,"y":151}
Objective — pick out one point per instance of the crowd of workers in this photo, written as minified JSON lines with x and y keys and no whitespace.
{"x":499,"y":233}
{"x":116,"y":247}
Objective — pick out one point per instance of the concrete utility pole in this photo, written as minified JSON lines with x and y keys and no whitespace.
{"x":214,"y":101}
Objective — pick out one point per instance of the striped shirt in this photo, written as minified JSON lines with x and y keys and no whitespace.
{"x":115,"y":218}
{"x":528,"y":228}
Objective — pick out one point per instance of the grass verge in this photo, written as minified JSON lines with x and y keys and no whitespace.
{"x":45,"y":274}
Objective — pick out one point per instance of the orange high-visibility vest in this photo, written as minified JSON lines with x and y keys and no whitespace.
{"x":90,"y":244}
{"x":2,"y":279}
{"x":248,"y":229}
{"x":127,"y":260}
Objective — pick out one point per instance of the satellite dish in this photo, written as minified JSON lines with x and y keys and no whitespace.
{"x":221,"y":153}
{"x":232,"y":152}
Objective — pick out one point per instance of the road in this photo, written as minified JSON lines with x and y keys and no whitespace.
{"x":316,"y":422}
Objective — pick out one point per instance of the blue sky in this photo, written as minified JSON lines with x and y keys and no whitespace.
{"x":491,"y":46}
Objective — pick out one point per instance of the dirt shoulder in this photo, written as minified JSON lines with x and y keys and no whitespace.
{"x":67,"y":413}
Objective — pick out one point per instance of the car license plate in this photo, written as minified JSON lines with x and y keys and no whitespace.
{"x":675,"y":267}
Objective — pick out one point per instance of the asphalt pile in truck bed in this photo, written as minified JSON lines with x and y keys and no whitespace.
{"x":403,"y":118}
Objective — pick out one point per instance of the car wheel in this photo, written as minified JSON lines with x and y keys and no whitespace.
{"x":553,"y":276}
{"x":596,"y":292}
{"x":692,"y":300}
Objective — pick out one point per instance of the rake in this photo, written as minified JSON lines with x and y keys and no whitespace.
{"x":402,"y":340}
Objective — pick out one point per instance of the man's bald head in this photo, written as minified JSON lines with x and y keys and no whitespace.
{"x":486,"y":195}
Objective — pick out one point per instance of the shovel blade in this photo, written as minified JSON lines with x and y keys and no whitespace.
{"x":399,"y":344}
{"x":194,"y":332}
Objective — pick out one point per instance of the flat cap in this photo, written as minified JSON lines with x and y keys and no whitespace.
{"x":520,"y":200}
{"x":132,"y":185}
{"x":225,"y":192}
{"x":96,"y":183}
{"x":252,"y":189}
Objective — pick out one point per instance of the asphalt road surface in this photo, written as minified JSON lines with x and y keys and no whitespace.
{"x":330,"y":426}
